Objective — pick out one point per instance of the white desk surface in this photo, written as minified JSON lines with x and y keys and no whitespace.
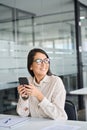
{"x":39,"y":124}
{"x":82,"y":91}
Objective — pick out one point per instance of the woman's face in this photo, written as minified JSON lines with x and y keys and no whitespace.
{"x":40,"y":67}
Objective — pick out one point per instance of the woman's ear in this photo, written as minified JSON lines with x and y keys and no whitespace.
{"x":30,"y":68}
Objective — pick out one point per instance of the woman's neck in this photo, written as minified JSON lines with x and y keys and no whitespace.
{"x":38,"y":79}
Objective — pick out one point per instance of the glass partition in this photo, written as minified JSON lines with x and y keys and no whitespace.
{"x":15,"y":34}
{"x":15,"y":41}
{"x":83,"y":23}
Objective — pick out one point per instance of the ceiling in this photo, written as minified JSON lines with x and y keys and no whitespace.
{"x":41,"y":7}
{"x":83,"y":1}
{"x":38,"y":7}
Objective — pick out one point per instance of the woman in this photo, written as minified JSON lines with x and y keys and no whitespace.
{"x":45,"y":95}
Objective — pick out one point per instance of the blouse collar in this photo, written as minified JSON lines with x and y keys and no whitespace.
{"x":44,"y":80}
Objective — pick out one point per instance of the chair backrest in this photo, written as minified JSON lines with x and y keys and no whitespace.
{"x":70,"y":110}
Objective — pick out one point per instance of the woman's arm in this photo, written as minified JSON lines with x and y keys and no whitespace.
{"x":23,"y":102}
{"x":23,"y":107}
{"x":55,"y":108}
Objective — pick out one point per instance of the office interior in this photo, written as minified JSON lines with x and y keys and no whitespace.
{"x":57,"y":26}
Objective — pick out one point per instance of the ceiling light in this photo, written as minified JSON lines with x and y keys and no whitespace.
{"x":82,"y":17}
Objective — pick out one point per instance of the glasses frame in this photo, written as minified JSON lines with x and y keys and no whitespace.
{"x":40,"y":61}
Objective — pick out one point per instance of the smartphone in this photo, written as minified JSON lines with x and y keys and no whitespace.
{"x":23,"y":80}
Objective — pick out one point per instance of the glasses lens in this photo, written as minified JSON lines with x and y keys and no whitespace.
{"x":38,"y":61}
{"x":46,"y":60}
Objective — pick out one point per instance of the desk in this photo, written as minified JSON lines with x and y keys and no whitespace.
{"x":82,"y":91}
{"x":39,"y":124}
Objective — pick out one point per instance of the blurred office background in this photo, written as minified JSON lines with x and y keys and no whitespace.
{"x":57,"y":26}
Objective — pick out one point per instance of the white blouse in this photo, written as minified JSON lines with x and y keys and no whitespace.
{"x":52,"y":106}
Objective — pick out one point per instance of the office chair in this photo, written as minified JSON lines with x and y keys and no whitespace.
{"x":70,"y":110}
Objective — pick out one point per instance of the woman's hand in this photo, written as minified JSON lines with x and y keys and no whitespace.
{"x":33,"y":91}
{"x":22,"y":91}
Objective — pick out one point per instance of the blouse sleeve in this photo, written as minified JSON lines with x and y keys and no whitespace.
{"x":55,"y":108}
{"x":23,"y":107}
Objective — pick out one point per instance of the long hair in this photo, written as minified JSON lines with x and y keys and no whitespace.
{"x":30,"y":59}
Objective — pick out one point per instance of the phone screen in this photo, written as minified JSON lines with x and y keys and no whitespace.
{"x":23,"y":80}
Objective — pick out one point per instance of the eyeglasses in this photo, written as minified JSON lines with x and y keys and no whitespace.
{"x":40,"y":61}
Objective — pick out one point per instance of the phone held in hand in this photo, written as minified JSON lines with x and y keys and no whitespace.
{"x":23,"y":80}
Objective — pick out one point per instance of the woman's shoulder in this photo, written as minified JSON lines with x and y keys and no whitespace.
{"x":55,"y":77}
{"x":57,"y":81}
{"x":30,"y":79}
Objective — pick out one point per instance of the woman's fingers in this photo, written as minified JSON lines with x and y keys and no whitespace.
{"x":22,"y":90}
